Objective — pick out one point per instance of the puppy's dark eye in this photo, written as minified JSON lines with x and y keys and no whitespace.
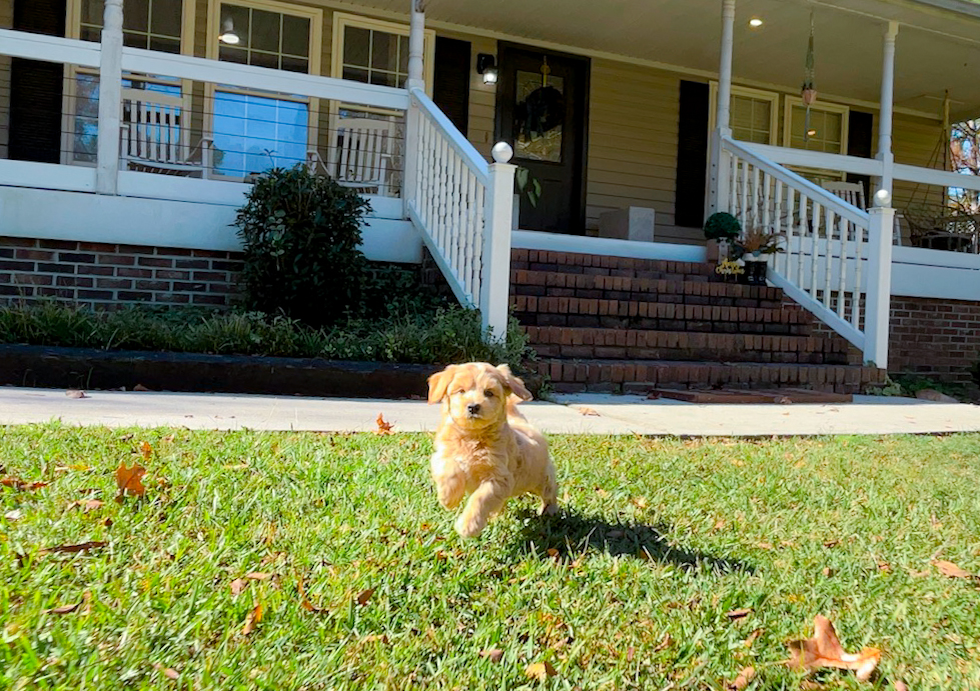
{"x":457,"y":392}
{"x":488,"y":393}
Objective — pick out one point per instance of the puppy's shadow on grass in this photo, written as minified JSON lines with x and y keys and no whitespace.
{"x":571,"y":534}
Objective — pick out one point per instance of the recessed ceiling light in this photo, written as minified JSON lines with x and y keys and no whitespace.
{"x":755,"y":22}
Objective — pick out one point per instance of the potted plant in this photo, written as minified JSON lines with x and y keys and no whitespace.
{"x":720,"y":230}
{"x":754,"y":248}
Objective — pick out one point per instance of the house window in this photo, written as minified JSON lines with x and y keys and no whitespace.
{"x":254,"y":130}
{"x":376,"y":52}
{"x":754,"y":114}
{"x":151,"y":24}
{"x":826,"y":130}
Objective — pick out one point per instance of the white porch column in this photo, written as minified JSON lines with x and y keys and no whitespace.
{"x":887,"y":103}
{"x":416,"y":45}
{"x":877,"y":313}
{"x":498,"y":219}
{"x":717,"y":183}
{"x":416,"y":49}
{"x":110,"y":98}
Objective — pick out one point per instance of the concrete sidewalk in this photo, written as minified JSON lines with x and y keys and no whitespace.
{"x":578,"y":414}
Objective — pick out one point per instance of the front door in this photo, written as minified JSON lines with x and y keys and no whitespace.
{"x":542,"y":100}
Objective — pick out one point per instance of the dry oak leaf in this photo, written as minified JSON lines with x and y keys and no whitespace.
{"x":664,"y":644}
{"x":253,"y":618}
{"x":540,"y":671}
{"x":140,"y":387}
{"x":589,"y":411}
{"x":305,"y":603}
{"x":22,"y":485}
{"x":146,"y":450}
{"x":258,"y":575}
{"x":75,"y":393}
{"x":825,"y":650}
{"x":383,"y":427}
{"x":743,"y":679}
{"x":364,"y":596}
{"x":88,"y":504}
{"x":168,"y":672}
{"x":129,"y":480}
{"x":493,"y":654}
{"x":737,"y":614}
{"x":238,"y":585}
{"x":951,"y":570}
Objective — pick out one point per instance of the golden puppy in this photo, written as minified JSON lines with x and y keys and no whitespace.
{"x":484,"y":446}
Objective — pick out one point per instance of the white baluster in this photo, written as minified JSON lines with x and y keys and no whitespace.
{"x":843,"y":265}
{"x":828,"y":260}
{"x":804,"y":227}
{"x":756,"y":216}
{"x":778,"y":260}
{"x":732,"y":183}
{"x":766,"y":217}
{"x":479,"y":228}
{"x":856,"y":289}
{"x":814,"y":248}
{"x":744,"y":194}
{"x":456,"y":221}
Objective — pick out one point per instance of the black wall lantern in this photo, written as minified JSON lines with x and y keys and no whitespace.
{"x":486,"y":64}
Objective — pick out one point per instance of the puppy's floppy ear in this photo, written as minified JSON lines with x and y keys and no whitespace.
{"x":439,"y":383}
{"x":514,"y":383}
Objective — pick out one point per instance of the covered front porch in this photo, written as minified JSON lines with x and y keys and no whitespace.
{"x":145,"y":158}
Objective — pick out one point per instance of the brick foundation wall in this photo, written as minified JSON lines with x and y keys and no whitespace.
{"x":934,"y":338}
{"x":103,"y":275}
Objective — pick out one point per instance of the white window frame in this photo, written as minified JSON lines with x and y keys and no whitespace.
{"x":759,"y":94}
{"x":819,"y":106}
{"x":342,"y":20}
{"x":315,"y":15}
{"x":73,"y":29}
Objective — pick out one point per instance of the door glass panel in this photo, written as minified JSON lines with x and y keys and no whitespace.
{"x":539,"y":114}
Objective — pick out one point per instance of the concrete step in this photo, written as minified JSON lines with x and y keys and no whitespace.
{"x":632,"y":344}
{"x":640,"y":376}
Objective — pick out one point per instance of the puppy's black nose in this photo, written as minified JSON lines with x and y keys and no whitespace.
{"x":473,"y":408}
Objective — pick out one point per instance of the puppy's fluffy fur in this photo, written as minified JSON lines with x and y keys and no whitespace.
{"x":484,"y":446}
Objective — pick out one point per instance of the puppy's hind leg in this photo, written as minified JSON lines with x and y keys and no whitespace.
{"x":549,"y":494}
{"x":488,"y":499}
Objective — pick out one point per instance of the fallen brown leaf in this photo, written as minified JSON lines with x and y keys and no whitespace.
{"x":951,"y":570}
{"x":553,"y":553}
{"x":21,"y":485}
{"x":493,"y":654}
{"x":742,"y":680}
{"x":825,"y":650}
{"x":81,"y":547}
{"x":140,"y":387}
{"x":130,"y":480}
{"x":238,"y":585}
{"x":88,"y":504}
{"x":630,"y":653}
{"x":588,"y":411}
{"x":664,"y":644}
{"x":383,"y":427}
{"x":258,"y":576}
{"x":75,"y":393}
{"x":304,"y":602}
{"x":64,"y":609}
{"x":364,"y":596}
{"x":737,"y":614}
{"x":14,"y":515}
{"x":168,"y":672}
{"x":753,"y":637}
{"x":253,"y":618}
{"x":540,"y":671}
{"x":146,"y":450}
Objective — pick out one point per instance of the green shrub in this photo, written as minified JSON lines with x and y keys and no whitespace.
{"x":301,"y":234}
{"x":446,"y":335}
{"x":722,"y":226}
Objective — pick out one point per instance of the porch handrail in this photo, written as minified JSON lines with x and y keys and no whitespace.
{"x":30,"y":46}
{"x":787,"y":156}
{"x":463,"y":209}
{"x":836,"y":260}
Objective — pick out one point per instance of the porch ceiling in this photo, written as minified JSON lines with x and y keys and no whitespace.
{"x":937,"y":48}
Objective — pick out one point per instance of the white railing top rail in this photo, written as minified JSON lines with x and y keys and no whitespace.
{"x":813,"y":192}
{"x":23,"y":44}
{"x":803,"y":158}
{"x":87,"y":54}
{"x":474,"y":161}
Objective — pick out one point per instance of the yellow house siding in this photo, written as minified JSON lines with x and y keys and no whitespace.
{"x":632,"y":151}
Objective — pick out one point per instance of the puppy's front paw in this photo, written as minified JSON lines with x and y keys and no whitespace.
{"x":469,"y":526}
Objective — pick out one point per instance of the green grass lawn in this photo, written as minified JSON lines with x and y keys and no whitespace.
{"x":628,"y":588}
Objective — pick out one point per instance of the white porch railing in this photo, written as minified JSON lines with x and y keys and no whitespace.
{"x":463,"y":207}
{"x":837,"y":257}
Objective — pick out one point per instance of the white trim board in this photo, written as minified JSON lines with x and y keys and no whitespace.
{"x":76,"y":216}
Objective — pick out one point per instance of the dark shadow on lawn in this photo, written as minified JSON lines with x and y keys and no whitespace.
{"x":572,"y":533}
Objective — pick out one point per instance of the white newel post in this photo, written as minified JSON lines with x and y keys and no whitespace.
{"x":416,"y":47}
{"x":110,"y":98}
{"x":885,"y":154}
{"x":878,"y":307}
{"x":718,"y":171}
{"x":498,"y":216}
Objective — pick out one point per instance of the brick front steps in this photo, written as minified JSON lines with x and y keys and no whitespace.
{"x":629,"y":325}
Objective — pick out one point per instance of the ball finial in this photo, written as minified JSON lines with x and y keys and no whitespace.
{"x":502,"y":152}
{"x":883,"y":198}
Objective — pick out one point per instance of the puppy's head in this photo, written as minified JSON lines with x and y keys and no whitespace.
{"x":475,"y":394}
